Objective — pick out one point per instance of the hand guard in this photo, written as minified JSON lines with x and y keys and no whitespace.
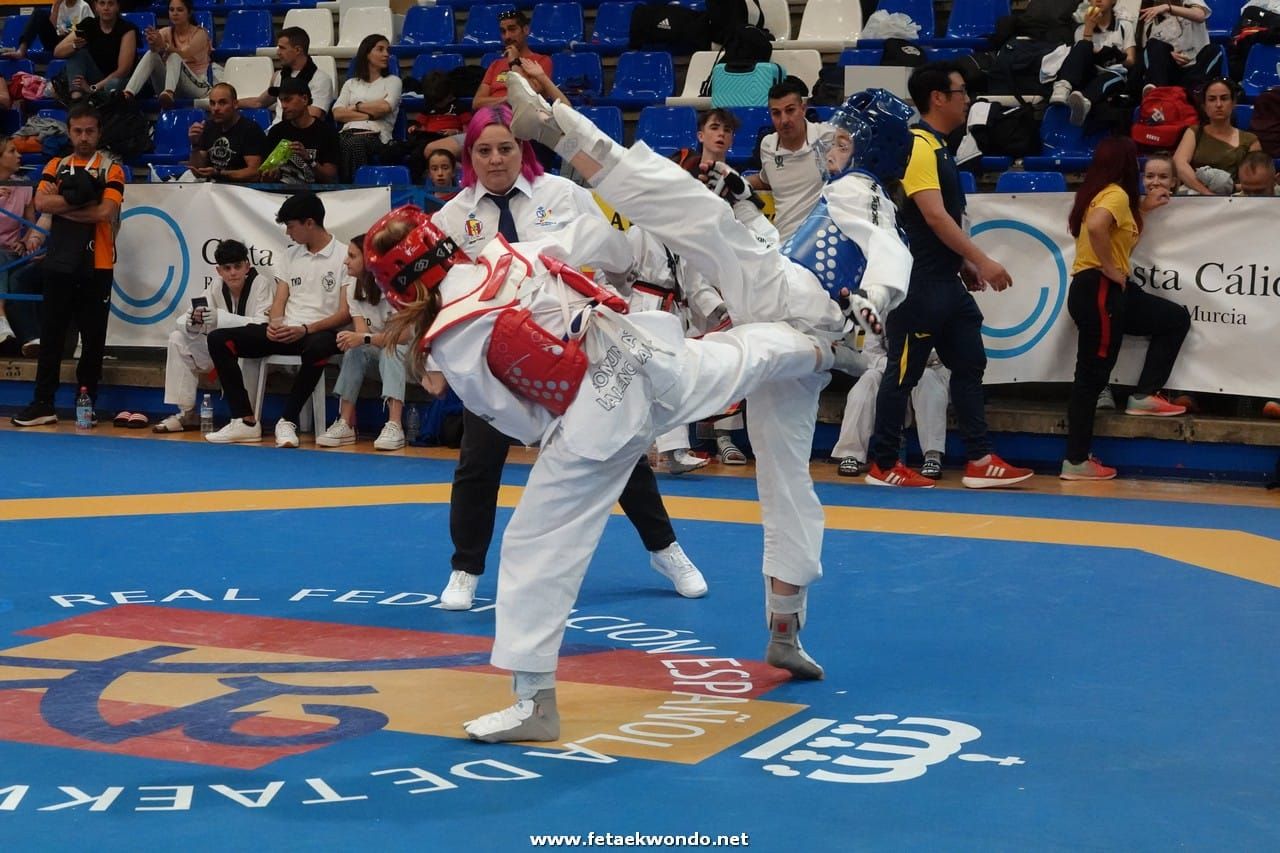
{"x":725,"y":182}
{"x":866,"y":307}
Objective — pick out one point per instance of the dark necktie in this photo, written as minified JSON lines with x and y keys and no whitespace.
{"x":506,"y":222}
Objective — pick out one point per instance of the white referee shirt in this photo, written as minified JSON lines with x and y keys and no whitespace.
{"x":549,"y":206}
{"x":315,"y":281}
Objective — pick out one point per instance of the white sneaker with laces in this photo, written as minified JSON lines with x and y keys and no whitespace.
{"x":674,"y":564}
{"x":338,"y":434}
{"x":460,"y":591}
{"x":1061,"y":91}
{"x":286,"y":433}
{"x":391,"y":437}
{"x":236,"y":431}
{"x":6,"y":331}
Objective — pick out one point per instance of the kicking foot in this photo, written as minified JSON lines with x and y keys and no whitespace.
{"x":533,"y":719}
{"x":531,"y":116}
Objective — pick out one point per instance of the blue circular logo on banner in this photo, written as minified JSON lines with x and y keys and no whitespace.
{"x":160,"y":304}
{"x":1042,"y":316}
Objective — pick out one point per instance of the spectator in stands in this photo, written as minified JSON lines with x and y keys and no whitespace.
{"x":439,"y":119}
{"x":179,"y":61}
{"x":1106,"y":221}
{"x":314,"y":141}
{"x":514,"y":27}
{"x":365,"y":346}
{"x":307,"y":310}
{"x":295,"y":63}
{"x":788,"y":165}
{"x":367,"y":106}
{"x":50,"y":26}
{"x":939,"y":313}
{"x":1258,"y":175}
{"x":100,"y":52}
{"x":1208,"y":156}
{"x":1176,"y":49}
{"x":240,"y":295}
{"x":505,"y":191}
{"x":17,"y":237}
{"x":1098,"y":64}
{"x":442,"y":169}
{"x":928,"y":401}
{"x":1159,"y":171}
{"x":229,"y":146}
{"x":83,"y":193}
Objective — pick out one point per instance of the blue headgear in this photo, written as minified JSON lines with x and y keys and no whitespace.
{"x":879,"y":123}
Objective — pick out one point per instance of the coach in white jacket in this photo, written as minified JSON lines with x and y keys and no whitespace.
{"x":241,"y":295}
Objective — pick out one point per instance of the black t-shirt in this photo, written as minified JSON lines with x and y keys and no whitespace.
{"x":105,"y":47}
{"x":320,"y":140}
{"x":228,"y":147}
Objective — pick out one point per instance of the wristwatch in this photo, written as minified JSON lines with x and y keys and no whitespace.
{"x":368,"y":338}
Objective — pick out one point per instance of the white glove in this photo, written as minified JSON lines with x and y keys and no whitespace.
{"x":209,"y":321}
{"x":724,"y":181}
{"x":867,"y":307}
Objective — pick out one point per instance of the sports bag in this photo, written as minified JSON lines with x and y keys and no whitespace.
{"x":731,"y":89}
{"x":1163,"y":115}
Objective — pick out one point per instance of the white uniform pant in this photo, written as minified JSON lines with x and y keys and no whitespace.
{"x":558,"y":523}
{"x":757,"y":284}
{"x":675,"y":439}
{"x":928,"y":401}
{"x":186,"y":359}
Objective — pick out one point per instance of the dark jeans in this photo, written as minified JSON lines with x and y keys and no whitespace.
{"x":85,"y":299}
{"x":937,"y":315}
{"x":1094,"y":82}
{"x":228,"y":345}
{"x":1161,"y":70}
{"x":1105,"y":312}
{"x":473,"y":504}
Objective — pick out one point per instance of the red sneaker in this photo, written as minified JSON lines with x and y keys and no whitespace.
{"x":1153,"y":406}
{"x":898,"y":475}
{"x":1271,"y":409}
{"x":994,"y":474}
{"x":1089,"y":469}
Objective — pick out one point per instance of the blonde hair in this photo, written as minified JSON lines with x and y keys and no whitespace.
{"x":411,"y":322}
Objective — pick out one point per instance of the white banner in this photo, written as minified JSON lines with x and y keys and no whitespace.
{"x":1212,"y":255}
{"x":168,"y":233}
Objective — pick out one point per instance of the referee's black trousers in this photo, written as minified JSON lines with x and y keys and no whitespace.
{"x":473,"y":504}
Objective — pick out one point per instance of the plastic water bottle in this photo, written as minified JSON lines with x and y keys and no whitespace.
{"x":206,"y":415}
{"x":84,"y":409}
{"x":412,"y":424}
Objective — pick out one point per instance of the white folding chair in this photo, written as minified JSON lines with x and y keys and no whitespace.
{"x":699,"y":69}
{"x":829,"y":25}
{"x":805,"y":64}
{"x":356,"y":24}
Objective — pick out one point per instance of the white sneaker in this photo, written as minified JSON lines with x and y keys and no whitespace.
{"x":460,"y":592}
{"x":391,"y":437}
{"x":1079,"y":106}
{"x":1061,"y":91}
{"x":674,"y":564}
{"x":237,"y":431}
{"x":1106,"y":400}
{"x":286,"y":433}
{"x":338,"y":434}
{"x":6,"y":331}
{"x":528,"y":719}
{"x":31,"y":349}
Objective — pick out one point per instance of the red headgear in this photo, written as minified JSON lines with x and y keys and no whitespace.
{"x":424,"y":255}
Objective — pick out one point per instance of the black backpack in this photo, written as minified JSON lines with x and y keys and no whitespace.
{"x":902,"y":53}
{"x":465,"y":80}
{"x":126,"y":131}
{"x":726,"y":17}
{"x":747,"y":46}
{"x":674,"y":28}
{"x":1008,"y":131}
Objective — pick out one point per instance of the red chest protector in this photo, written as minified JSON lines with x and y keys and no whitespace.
{"x":530,"y":361}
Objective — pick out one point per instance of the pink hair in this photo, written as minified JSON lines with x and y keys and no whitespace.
{"x":530,"y":168}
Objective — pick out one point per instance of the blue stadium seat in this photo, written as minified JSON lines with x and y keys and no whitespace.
{"x":968,"y":183}
{"x":1242,"y":116}
{"x":608,"y":119}
{"x":578,"y":75}
{"x":668,"y":129}
{"x":244,"y":32}
{"x":428,"y":62}
{"x":948,"y":54}
{"x":481,"y":32}
{"x":1226,"y":13}
{"x":383,"y":176}
{"x":694,"y":5}
{"x":426,"y":28}
{"x":55,"y":113}
{"x":555,"y":26}
{"x":261,"y":115}
{"x":859,"y":56}
{"x":972,"y":21}
{"x":170,"y":136}
{"x":10,"y":120}
{"x":1261,"y":69}
{"x":642,"y":78}
{"x":489,"y":58}
{"x":203,"y":18}
{"x":822,"y":113}
{"x":167,"y":173}
{"x":1031,"y":182}
{"x":9,"y":67}
{"x":141,"y":20}
{"x":612,"y":31}
{"x":744,"y":140}
{"x":1065,"y":148}
{"x":14,"y":24}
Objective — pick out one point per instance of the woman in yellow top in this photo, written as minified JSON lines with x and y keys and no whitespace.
{"x":1106,"y":221}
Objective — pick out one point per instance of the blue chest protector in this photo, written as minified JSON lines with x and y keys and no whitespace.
{"x":821,"y":247}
